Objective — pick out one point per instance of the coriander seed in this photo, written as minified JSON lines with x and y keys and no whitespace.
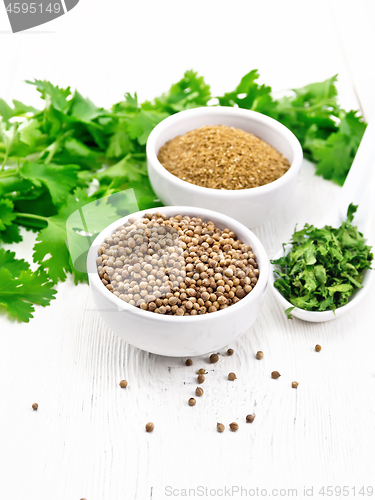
{"x":250,"y":418}
{"x":295,"y":385}
{"x":201,"y":371}
{"x":123,"y":384}
{"x":230,"y":352}
{"x":34,"y":406}
{"x":201,"y":379}
{"x":189,"y":362}
{"x":233,"y":426}
{"x":275,"y":375}
{"x":149,"y":427}
{"x":220,"y":427}
{"x":199,"y":391}
{"x":232,"y":376}
{"x":191,"y":402}
{"x":318,"y":348}
{"x":259,"y":355}
{"x":214,"y":358}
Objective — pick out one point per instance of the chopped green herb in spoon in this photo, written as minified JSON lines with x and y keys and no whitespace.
{"x":324,"y":266}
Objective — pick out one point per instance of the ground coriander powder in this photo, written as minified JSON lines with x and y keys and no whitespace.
{"x":222,"y":157}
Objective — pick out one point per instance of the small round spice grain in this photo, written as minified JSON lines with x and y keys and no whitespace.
{"x":199,"y":391}
{"x":34,"y":406}
{"x":191,"y":402}
{"x":220,"y":427}
{"x":232,"y":376}
{"x":295,"y":385}
{"x":123,"y":384}
{"x":201,"y":379}
{"x":189,"y":362}
{"x":275,"y":375}
{"x":230,"y":352}
{"x":318,"y":348}
{"x":233,"y":426}
{"x":149,"y":427}
{"x":201,"y":371}
{"x":259,"y":355}
{"x":250,"y":418}
{"x":214,"y":358}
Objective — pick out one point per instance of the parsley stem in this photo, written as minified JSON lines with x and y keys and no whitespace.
{"x":31,"y":216}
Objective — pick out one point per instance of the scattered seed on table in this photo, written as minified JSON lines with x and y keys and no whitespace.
{"x":192,"y":402}
{"x":233,"y":426}
{"x":259,"y":355}
{"x":230,"y":352}
{"x":294,"y":385}
{"x":149,"y":427}
{"x":123,"y":384}
{"x":199,"y":391}
{"x":34,"y":406}
{"x":231,"y":376}
{"x":250,"y":418}
{"x":275,"y":375}
{"x":220,"y":427}
{"x":189,"y":362}
{"x":201,"y":379}
{"x":201,"y":371}
{"x":214,"y":358}
{"x":318,"y":348}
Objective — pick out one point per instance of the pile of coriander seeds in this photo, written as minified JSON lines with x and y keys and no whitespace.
{"x":180,"y":265}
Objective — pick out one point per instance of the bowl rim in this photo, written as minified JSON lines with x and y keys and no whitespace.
{"x":283,"y":131}
{"x":120,"y":305}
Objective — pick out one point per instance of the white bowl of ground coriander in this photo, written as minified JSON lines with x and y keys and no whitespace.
{"x":252,"y":206}
{"x":178,"y":335}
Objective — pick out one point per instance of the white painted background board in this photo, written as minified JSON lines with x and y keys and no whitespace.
{"x":87,"y":439}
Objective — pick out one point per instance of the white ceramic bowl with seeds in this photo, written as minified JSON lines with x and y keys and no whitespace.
{"x":180,"y":335}
{"x":252,"y":206}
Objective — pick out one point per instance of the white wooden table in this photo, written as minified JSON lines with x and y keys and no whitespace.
{"x":87,"y":439}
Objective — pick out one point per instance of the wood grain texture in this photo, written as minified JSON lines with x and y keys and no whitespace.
{"x":88,"y":439}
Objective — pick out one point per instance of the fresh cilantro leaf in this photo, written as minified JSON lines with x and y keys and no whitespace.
{"x":53,"y":95}
{"x":140,"y":125}
{"x":19,"y":294}
{"x":126,"y":169}
{"x":250,"y":95}
{"x":190,"y":92}
{"x":59,"y":180}
{"x":288,"y":311}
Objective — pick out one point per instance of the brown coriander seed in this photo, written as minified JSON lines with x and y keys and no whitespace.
{"x":295,"y":385}
{"x":232,"y":376}
{"x":275,"y":375}
{"x":149,"y":427}
{"x":199,"y":391}
{"x":123,"y":384}
{"x":250,"y":418}
{"x":34,"y":406}
{"x":201,"y":371}
{"x":233,"y":426}
{"x":318,"y":348}
{"x":201,"y":379}
{"x":214,"y":358}
{"x":189,"y":362}
{"x":191,"y":402}
{"x":230,"y":352}
{"x":259,"y":355}
{"x":220,"y":427}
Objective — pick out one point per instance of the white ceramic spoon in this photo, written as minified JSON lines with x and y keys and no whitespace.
{"x":358,"y":189}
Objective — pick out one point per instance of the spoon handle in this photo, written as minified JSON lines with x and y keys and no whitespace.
{"x":359,"y":182}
